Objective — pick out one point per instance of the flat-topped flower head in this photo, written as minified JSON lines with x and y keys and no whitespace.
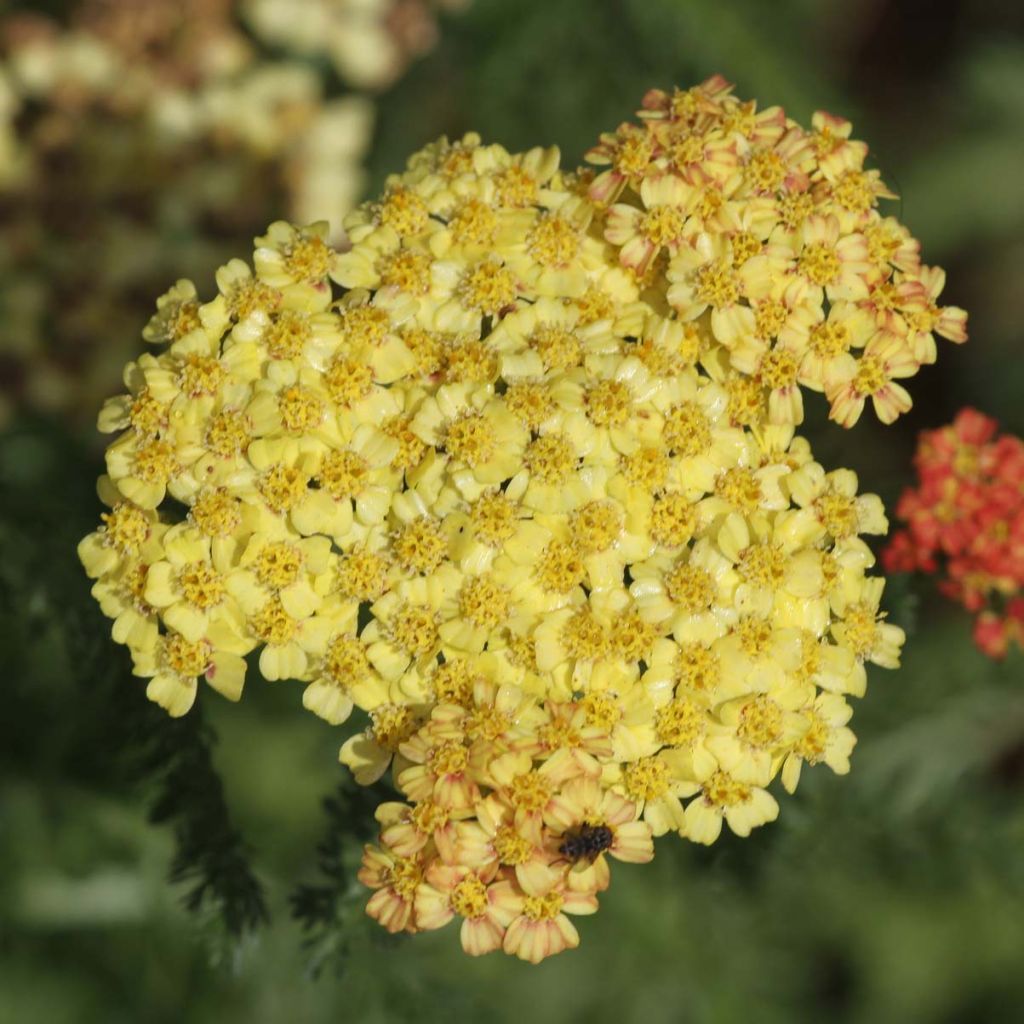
{"x":515,"y":481}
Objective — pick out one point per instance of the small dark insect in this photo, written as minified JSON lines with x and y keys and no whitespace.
{"x":590,"y":841}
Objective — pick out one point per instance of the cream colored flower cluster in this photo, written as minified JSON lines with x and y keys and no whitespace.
{"x":770,"y":235}
{"x":498,"y":495}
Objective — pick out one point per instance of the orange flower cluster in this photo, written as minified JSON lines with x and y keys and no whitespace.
{"x":770,"y":235}
{"x":965,"y":524}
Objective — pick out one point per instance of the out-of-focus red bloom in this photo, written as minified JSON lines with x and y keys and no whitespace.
{"x":964,"y":523}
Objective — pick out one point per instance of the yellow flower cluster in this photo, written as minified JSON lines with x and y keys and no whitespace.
{"x":498,"y":493}
{"x":770,"y":235}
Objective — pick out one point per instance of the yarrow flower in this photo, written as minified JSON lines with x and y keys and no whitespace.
{"x":965,"y":525}
{"x":770,"y":238}
{"x":502,"y":494}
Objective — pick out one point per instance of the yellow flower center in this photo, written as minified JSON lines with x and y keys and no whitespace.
{"x":744,"y":247}
{"x":716,"y":284}
{"x":829,"y":339}
{"x":686,"y":150}
{"x":216,"y":513}
{"x":405,"y":876}
{"x":680,"y":723}
{"x":228,"y":434}
{"x":278,"y":564}
{"x":362,"y":574}
{"x":740,"y":488}
{"x":155,"y":462}
{"x":647,"y":467}
{"x":406,"y":270}
{"x":410,"y":448}
{"x":287,"y":336}
{"x":125,"y":527}
{"x":601,"y":711}
{"x":488,"y":287}
{"x":633,"y":153}
{"x":515,"y":187}
{"x":427,"y":349}
{"x":530,"y":791}
{"x":550,"y":458}
{"x":853,"y":192}
{"x":493,"y":517}
{"x":452,"y":683}
{"x":283,"y":487}
{"x":511,"y":847}
{"x":365,"y":325}
{"x":662,"y":225}
{"x":184,"y":319}
{"x":348,"y":380}
{"x":404,"y":212}
{"x":474,"y":223}
{"x":251,"y":296}
{"x":746,"y":400}
{"x":763,"y":565}
{"x":838,"y":514}
{"x":543,"y":908}
{"x":469,"y":898}
{"x":594,"y":305}
{"x":521,"y":652}
{"x":691,"y":588}
{"x":343,"y":474}
{"x":421,"y":546}
{"x":392,"y":725}
{"x":427,"y":817}
{"x":760,"y":723}
{"x":147,"y":416}
{"x":345,"y":661}
{"x":596,"y":526}
{"x":488,"y":723}
{"x":201,"y":585}
{"x":779,"y":369}
{"x":308,"y":259}
{"x":483,"y":602}
{"x":646,"y":779}
{"x":673,"y":520}
{"x":414,"y":630}
{"x":185,"y":659}
{"x":553,"y":242}
{"x":812,"y":745}
{"x":754,"y":636}
{"x":608,"y":403}
{"x":558,"y":348}
{"x":795,"y":208}
{"x":471,"y":439}
{"x":632,"y":637}
{"x":765,"y":171}
{"x":722,"y":790}
{"x":687,"y":429}
{"x":584,"y":637}
{"x":819,"y":263}
{"x":472,"y":362}
{"x":530,"y":403}
{"x":448,"y":758}
{"x":698,"y":668}
{"x":560,"y":567}
{"x":860,"y":629}
{"x":272,"y":624}
{"x":769,"y":318}
{"x":301,"y":411}
{"x":871,"y":376}
{"x":200,"y":375}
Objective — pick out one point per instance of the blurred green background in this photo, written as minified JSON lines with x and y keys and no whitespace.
{"x":896,"y":894}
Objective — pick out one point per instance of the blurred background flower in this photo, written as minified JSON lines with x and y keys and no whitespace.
{"x":894,"y":895}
